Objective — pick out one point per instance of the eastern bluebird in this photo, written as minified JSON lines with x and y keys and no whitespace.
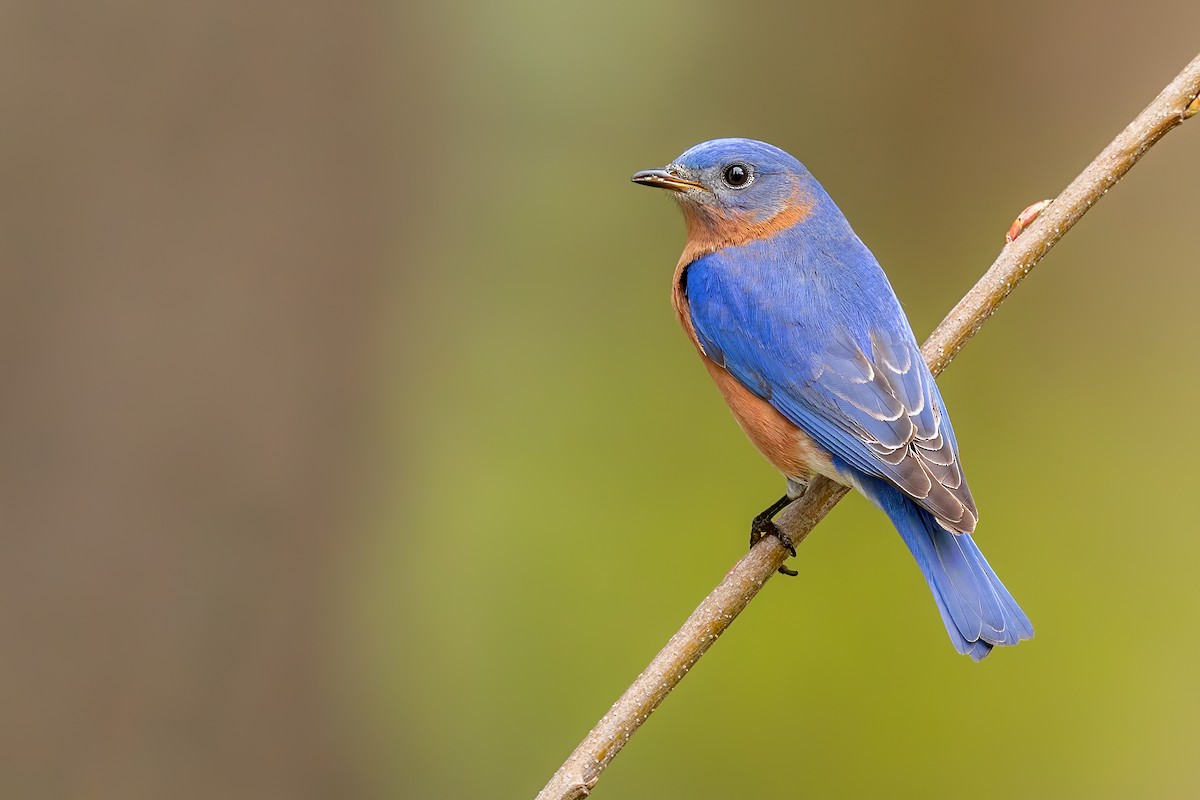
{"x":802,"y":333}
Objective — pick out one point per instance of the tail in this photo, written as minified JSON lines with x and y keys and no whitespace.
{"x":977,"y":610}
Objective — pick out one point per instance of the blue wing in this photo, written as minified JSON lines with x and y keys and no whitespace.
{"x":820,"y":335}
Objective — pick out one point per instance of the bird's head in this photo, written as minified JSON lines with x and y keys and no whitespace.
{"x":735,"y":190}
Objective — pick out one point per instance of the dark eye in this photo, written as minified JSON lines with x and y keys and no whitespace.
{"x":737,"y":175}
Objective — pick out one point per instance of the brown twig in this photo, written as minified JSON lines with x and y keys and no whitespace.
{"x":576,"y":777}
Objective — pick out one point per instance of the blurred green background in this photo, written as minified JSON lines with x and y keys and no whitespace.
{"x":350,"y":446}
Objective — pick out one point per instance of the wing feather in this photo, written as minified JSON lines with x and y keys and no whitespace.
{"x":867,"y":398}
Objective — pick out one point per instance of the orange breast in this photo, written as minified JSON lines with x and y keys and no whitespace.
{"x":789,"y":449}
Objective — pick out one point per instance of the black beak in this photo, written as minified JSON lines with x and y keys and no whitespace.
{"x":665,"y":179}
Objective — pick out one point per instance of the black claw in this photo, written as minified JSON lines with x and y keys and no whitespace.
{"x":771,"y":529}
{"x":762,"y":525}
{"x":784,"y":539}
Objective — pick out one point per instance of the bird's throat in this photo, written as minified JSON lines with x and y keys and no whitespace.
{"x":710,"y":229}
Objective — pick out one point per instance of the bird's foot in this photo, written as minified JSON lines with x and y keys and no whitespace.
{"x":762,"y":525}
{"x":769,"y":528}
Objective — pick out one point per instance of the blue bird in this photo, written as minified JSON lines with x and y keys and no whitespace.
{"x":802,"y":333}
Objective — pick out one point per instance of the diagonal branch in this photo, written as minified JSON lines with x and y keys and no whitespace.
{"x":576,"y":777}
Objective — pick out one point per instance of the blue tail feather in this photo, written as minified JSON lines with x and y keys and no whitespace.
{"x":977,"y":610}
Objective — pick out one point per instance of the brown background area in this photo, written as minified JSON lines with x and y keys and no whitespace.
{"x":193,"y":223}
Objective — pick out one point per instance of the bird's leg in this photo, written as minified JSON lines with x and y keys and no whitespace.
{"x":763,"y":525}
